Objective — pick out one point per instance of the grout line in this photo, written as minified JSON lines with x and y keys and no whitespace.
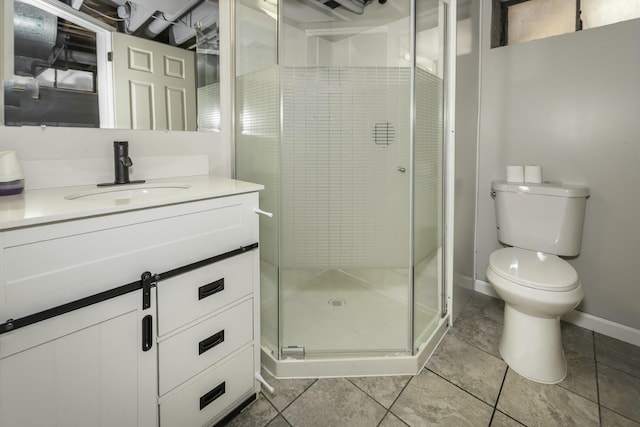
{"x":385,"y":417}
{"x":511,"y":418}
{"x":478,"y":348}
{"x":255,"y":401}
{"x":392,"y":403}
{"x":595,"y":361}
{"x":290,"y":403}
{"x":367,"y":394}
{"x":493,"y":414}
{"x":634,"y":422}
{"x":396,"y":399}
{"x":616,"y":368}
{"x":457,"y":386}
{"x":495,"y":406}
{"x":459,"y":337}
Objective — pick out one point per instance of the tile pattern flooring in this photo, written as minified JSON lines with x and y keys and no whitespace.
{"x":466,"y":383}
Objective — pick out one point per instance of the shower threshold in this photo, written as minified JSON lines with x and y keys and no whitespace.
{"x":354,"y":364}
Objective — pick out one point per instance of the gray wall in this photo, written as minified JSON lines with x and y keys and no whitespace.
{"x":571,"y":103}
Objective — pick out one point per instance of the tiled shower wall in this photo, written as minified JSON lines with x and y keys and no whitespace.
{"x":344,"y":198}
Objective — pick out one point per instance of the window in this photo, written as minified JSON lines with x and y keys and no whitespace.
{"x":519,"y":21}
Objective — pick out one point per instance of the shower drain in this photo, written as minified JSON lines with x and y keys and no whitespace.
{"x":337,"y":302}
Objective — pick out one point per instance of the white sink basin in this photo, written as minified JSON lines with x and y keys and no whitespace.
{"x":128,"y":192}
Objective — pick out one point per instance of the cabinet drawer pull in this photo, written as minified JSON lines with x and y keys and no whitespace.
{"x":147,"y":332}
{"x":211,"y":396}
{"x":210,"y":289}
{"x":208,"y":343}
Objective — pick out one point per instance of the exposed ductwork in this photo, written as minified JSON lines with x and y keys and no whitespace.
{"x":205,"y":14}
{"x":43,"y":41}
{"x":153,"y":18}
{"x":355,"y":6}
{"x":168,"y":21}
{"x":134,"y":15}
{"x":167,"y":17}
{"x":157,"y":15}
{"x":35,"y":31}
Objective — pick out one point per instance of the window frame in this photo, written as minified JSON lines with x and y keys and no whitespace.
{"x":500,"y":20}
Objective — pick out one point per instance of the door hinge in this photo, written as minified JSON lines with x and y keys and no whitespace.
{"x":110,"y":56}
{"x":148,"y":281}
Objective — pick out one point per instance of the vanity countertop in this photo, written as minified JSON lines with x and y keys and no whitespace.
{"x":33,"y":207}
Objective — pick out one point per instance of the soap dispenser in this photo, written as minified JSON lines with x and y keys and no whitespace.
{"x":11,"y":175}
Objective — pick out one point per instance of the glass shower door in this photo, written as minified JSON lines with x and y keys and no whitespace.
{"x":257,"y":141}
{"x":345,"y":180}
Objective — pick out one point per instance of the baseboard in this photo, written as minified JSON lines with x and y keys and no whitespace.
{"x":603,"y":326}
{"x":462,"y":281}
{"x":484,"y":288}
{"x":585,"y":320}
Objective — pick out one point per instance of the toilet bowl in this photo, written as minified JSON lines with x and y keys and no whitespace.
{"x":538,"y":289}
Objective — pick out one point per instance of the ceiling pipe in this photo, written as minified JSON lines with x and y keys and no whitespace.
{"x":355,"y":6}
{"x":164,"y":20}
{"x":206,"y":14}
{"x":134,"y":14}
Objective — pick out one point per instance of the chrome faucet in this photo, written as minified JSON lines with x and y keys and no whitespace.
{"x":122,"y":162}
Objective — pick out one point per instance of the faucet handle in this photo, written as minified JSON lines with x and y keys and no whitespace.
{"x":126,"y":161}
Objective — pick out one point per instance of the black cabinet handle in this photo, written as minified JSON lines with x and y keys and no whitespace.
{"x":212,"y":395}
{"x":208,"y":343}
{"x":210,"y":289}
{"x":147,"y":332}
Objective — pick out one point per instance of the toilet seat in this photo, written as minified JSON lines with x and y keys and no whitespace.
{"x":535,"y":270}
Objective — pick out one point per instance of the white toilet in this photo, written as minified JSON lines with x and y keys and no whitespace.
{"x":539,"y":222}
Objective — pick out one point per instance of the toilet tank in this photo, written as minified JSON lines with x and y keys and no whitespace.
{"x":541,"y":217}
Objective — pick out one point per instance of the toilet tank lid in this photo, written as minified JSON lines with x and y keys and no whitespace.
{"x":547,"y":188}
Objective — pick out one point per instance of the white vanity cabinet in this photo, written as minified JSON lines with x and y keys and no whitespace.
{"x":143,"y":315}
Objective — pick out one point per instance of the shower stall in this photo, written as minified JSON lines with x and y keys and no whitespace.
{"x":341,"y":111}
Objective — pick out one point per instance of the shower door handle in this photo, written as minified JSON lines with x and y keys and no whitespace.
{"x":261,"y":212}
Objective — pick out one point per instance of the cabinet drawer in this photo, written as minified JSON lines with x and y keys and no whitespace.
{"x":49,"y":265}
{"x":191,"y":295}
{"x":209,"y":396}
{"x":189,"y":352}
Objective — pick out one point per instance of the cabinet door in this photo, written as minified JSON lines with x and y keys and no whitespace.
{"x":83,"y":368}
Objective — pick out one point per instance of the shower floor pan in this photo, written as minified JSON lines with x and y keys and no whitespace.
{"x":344,"y":322}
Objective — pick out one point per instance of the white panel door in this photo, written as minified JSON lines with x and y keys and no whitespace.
{"x":83,"y":368}
{"x":154,"y":85}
